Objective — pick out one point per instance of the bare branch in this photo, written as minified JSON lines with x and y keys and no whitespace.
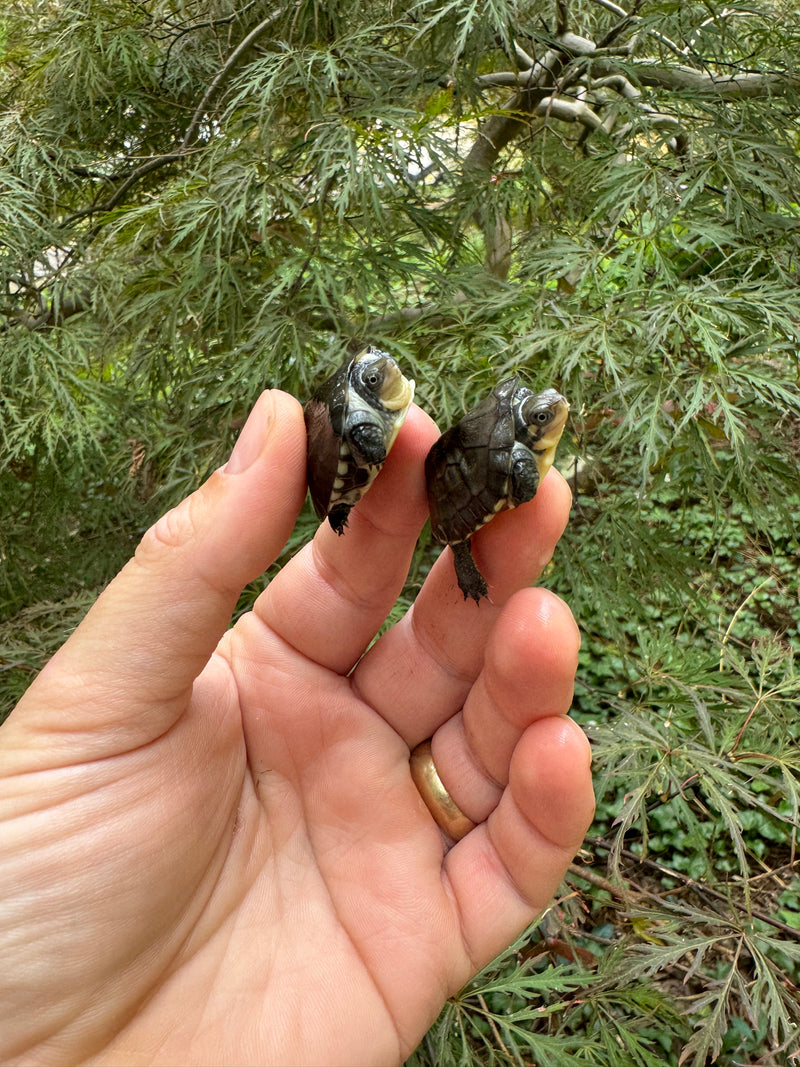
{"x":737,"y":86}
{"x":620,"y":84}
{"x":567,"y":110}
{"x":615,"y":9}
{"x":510,"y":79}
{"x":535,"y":72}
{"x":524,"y":61}
{"x":525,"y":79}
{"x":577,"y":45}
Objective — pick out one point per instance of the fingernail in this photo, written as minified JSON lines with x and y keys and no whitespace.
{"x":250,"y":442}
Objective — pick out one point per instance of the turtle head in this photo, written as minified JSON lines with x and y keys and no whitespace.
{"x":379,"y":381}
{"x":376,"y":406}
{"x":544,"y":415}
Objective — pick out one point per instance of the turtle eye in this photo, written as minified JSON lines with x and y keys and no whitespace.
{"x":372,"y":377}
{"x":539,"y":417}
{"x":535,"y":412}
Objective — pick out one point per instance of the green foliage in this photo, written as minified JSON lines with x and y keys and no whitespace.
{"x":198,"y":201}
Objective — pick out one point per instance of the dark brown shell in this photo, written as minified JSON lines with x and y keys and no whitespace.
{"x":490,"y":461}
{"x":324,"y":418}
{"x":466,"y":470}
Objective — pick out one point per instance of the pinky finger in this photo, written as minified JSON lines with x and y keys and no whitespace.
{"x":504,"y":873}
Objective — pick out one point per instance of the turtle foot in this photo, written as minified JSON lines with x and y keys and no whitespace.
{"x":470,"y":580}
{"x":337,"y":517}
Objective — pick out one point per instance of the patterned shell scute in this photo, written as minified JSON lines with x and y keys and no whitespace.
{"x":470,"y":466}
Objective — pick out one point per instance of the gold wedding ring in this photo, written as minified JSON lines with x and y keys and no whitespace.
{"x":450,"y":818}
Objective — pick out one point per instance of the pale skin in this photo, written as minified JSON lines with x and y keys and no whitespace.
{"x":211,"y":849}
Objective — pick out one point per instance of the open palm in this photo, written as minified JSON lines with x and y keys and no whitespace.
{"x":211,"y":849}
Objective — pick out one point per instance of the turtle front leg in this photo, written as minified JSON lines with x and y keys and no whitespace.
{"x":367,"y":441}
{"x":470,"y":580}
{"x":524,"y":476}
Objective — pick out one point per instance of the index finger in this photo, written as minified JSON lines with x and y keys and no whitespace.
{"x":329,"y":601}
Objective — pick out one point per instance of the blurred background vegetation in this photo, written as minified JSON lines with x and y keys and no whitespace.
{"x":200,"y":199}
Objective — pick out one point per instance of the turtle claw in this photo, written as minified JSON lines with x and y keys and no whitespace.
{"x":470,"y":580}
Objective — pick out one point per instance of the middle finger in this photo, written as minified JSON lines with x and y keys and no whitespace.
{"x":419,"y":673}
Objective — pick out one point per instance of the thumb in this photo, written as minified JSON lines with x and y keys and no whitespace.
{"x":128,"y":669}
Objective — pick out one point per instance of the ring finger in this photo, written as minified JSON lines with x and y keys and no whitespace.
{"x":528,"y":675}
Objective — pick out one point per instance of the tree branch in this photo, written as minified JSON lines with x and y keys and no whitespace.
{"x":568,"y":110}
{"x":737,"y":86}
{"x":620,"y":84}
{"x":615,"y":9}
{"x":524,"y":61}
{"x":222,"y":75}
{"x":190,"y":134}
{"x":748,"y":84}
{"x":620,"y":12}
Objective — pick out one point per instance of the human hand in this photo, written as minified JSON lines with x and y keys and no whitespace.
{"x":211,"y":849}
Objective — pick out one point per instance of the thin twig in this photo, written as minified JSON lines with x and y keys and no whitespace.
{"x":736,"y":614}
{"x":220,"y":77}
{"x":492,"y":1025}
{"x":597,"y":880}
{"x":691,"y":883}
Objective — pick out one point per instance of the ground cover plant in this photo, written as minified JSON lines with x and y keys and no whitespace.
{"x":201,"y":199}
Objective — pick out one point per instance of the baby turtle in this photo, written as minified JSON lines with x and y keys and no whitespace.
{"x":490,"y":461}
{"x":352,"y":421}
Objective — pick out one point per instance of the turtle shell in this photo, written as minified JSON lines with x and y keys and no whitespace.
{"x":492,"y":460}
{"x":352,"y":421}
